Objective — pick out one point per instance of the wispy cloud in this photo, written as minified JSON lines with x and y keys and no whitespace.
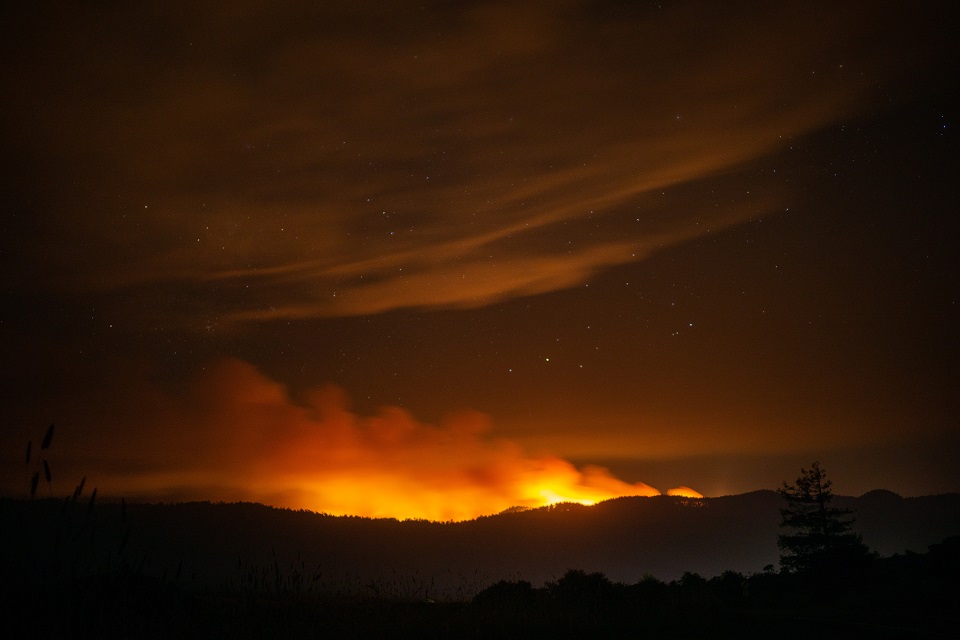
{"x":282,"y":163}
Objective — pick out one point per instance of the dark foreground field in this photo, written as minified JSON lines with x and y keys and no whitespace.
{"x":78,"y":570}
{"x":904,"y":597}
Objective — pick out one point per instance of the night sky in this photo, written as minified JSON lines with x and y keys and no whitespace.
{"x":437,"y":259}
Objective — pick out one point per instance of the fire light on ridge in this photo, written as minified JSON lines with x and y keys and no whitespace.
{"x":553,"y":498}
{"x":250,"y":441}
{"x":361,"y":495}
{"x":684,"y":492}
{"x":369,"y":495}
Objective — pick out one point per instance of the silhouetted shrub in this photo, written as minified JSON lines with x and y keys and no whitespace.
{"x":583,"y":590}
{"x":506,"y":593}
{"x":730,"y":588}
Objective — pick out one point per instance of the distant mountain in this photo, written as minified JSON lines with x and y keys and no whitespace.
{"x":624,"y":538}
{"x":892,"y":524}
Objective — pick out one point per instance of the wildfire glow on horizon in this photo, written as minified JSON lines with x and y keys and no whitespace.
{"x":236,"y":435}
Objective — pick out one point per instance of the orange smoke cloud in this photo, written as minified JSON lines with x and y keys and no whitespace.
{"x":684,"y":492}
{"x":237,"y":435}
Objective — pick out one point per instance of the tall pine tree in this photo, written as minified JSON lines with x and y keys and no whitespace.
{"x":814,"y":535}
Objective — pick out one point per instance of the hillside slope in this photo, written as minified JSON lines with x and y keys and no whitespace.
{"x":625,"y":539}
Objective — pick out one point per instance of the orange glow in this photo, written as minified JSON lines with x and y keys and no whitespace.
{"x":684,"y":492}
{"x":553,"y":498}
{"x":236,"y":435}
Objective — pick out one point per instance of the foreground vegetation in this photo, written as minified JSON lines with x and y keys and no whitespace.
{"x":907,"y":596}
{"x":79,"y":589}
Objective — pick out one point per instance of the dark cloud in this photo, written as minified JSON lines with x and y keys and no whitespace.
{"x":346,"y":162}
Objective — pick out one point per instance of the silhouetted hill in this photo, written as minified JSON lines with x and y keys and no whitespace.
{"x":892,"y":524}
{"x":625,"y":539}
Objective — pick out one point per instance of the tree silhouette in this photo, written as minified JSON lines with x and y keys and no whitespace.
{"x":815,"y":536}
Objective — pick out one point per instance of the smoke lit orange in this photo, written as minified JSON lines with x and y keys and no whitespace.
{"x":236,"y":435}
{"x":684,"y":492}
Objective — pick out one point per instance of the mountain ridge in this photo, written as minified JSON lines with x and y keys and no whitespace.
{"x":624,"y":538}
